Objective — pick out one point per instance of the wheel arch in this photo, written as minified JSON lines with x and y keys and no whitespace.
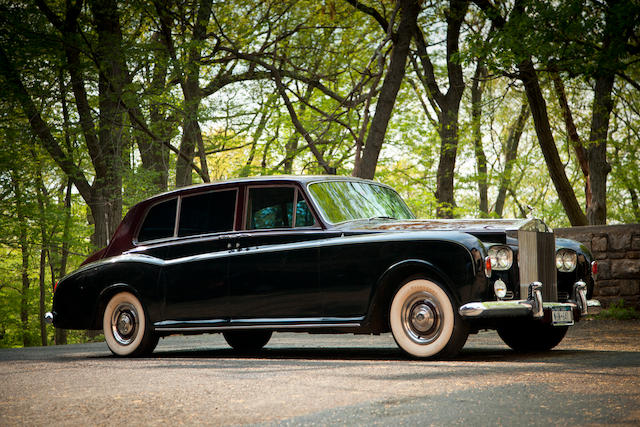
{"x":391,"y":280}
{"x":106,"y":294}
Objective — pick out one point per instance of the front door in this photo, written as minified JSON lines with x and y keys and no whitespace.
{"x":273,"y":272}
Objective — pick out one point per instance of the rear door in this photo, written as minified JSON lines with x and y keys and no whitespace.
{"x":195,"y":275}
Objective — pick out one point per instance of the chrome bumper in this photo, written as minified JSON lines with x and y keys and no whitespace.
{"x":532,"y":306}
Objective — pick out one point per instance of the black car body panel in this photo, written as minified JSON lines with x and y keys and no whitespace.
{"x":239,"y":261}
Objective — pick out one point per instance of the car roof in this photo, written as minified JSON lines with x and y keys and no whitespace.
{"x":302,"y":179}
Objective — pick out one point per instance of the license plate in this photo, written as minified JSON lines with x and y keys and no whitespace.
{"x":561,"y":316}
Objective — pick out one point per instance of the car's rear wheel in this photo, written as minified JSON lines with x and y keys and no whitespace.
{"x":424,"y":321}
{"x":249,"y":341}
{"x":531,"y":335}
{"x":126,"y":327}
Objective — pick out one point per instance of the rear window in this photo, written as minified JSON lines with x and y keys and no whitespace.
{"x":160,"y":221}
{"x":207,"y":213}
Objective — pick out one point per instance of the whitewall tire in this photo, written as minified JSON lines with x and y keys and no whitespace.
{"x":424,"y":321}
{"x":125,"y":326}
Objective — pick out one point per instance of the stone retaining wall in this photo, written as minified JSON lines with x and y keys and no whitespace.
{"x":617,"y":250}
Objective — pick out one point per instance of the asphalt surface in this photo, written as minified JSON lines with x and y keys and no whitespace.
{"x":591,"y":378}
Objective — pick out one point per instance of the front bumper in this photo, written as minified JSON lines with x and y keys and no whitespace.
{"x":534,"y":306}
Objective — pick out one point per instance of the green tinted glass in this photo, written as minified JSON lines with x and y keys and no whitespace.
{"x":342,"y":201}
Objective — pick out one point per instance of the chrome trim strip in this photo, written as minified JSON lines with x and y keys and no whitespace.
{"x":274,"y":320}
{"x":262,"y":326}
{"x":169,"y":323}
{"x":260,"y":323}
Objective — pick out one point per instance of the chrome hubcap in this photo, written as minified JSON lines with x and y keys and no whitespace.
{"x":422,"y":318}
{"x":124,"y":323}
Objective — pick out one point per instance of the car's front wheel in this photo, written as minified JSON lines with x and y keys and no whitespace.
{"x":249,"y":341}
{"x":424,"y":321}
{"x":531,"y":335}
{"x":125,"y":326}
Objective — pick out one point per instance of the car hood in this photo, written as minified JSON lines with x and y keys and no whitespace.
{"x":483,"y":226}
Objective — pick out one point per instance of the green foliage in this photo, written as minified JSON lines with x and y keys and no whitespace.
{"x":619,"y":311}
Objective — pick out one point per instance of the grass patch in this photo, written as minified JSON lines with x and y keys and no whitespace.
{"x":619,"y":311}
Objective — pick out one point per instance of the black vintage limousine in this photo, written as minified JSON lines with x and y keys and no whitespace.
{"x":322,"y":254}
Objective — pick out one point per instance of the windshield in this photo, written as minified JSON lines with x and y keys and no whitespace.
{"x":341,"y":201}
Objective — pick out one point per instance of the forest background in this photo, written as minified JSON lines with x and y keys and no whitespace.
{"x":468,"y":108}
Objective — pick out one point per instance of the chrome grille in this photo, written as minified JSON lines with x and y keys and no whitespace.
{"x":536,"y":260}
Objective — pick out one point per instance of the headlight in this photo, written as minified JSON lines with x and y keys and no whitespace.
{"x":501,"y":257}
{"x":566,"y":260}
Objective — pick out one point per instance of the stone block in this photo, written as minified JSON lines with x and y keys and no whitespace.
{"x":599,"y":244}
{"x":604,"y":270}
{"x":616,"y":255}
{"x":635,"y":243}
{"x":608,"y":291}
{"x":619,"y":241}
{"x":600,"y":255}
{"x":625,"y":268}
{"x":633,"y":254}
{"x":629,"y":287}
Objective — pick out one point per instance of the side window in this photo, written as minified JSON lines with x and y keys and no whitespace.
{"x":207,"y":213}
{"x":272,"y":207}
{"x":159,"y":222}
{"x":304,"y":217}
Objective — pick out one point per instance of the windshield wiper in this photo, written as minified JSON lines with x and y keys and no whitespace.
{"x":381,"y":217}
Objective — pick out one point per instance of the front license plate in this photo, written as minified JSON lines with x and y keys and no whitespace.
{"x":561,"y":316}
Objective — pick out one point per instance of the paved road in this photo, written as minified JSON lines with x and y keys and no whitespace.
{"x":593,"y":378}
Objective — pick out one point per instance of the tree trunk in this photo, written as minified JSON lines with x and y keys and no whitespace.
{"x":24,"y":269}
{"x":597,"y":152}
{"x":190,"y":130}
{"x":449,"y":104}
{"x":44,"y":242}
{"x":42,"y":282}
{"x":476,"y":129}
{"x":155,"y":154}
{"x":572,"y":134}
{"x":61,"y":334}
{"x":635,"y":206}
{"x":110,"y":84}
{"x":529,"y":77}
{"x":446,"y":167}
{"x":389,"y":90}
{"x":191,"y":133}
{"x":515,"y":133}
